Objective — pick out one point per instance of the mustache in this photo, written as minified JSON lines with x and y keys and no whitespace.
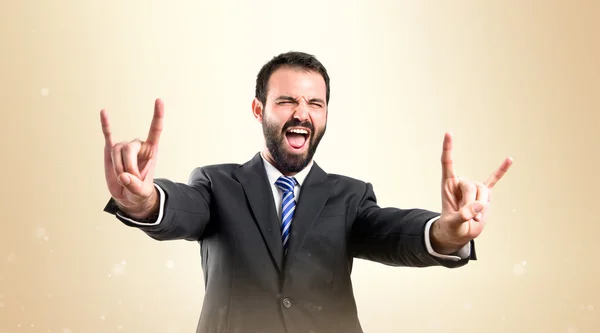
{"x":298,"y":123}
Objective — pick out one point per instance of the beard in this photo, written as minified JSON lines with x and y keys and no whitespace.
{"x":276,"y":142}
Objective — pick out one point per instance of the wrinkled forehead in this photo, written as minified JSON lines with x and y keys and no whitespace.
{"x":296,"y":82}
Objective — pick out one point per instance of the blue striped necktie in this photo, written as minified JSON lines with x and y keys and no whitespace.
{"x":288,"y":205}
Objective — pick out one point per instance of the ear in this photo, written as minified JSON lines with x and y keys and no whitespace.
{"x":257,"y":110}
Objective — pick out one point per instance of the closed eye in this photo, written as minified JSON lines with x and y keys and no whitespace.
{"x":285,"y":100}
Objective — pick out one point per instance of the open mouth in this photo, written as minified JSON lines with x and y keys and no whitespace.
{"x":297,"y":137}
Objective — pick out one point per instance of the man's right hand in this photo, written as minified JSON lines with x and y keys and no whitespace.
{"x":129,"y":167}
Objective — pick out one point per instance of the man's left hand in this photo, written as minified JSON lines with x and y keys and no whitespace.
{"x":465,"y":204}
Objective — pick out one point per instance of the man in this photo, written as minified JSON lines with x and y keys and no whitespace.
{"x":278,"y":234}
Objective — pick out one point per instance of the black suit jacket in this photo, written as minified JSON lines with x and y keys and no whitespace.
{"x":250,"y":286}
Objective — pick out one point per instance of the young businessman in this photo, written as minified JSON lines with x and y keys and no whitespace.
{"x":278,"y":234}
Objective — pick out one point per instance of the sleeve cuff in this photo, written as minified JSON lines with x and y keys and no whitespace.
{"x":161,"y":195}
{"x":462,"y":253}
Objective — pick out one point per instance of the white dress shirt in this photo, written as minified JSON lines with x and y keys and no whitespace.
{"x":273,"y":174}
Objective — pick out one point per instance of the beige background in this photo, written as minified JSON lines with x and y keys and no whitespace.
{"x":516,"y":78}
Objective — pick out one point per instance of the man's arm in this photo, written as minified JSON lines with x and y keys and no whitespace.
{"x":183,"y":211}
{"x":462,"y":253}
{"x":397,"y":237}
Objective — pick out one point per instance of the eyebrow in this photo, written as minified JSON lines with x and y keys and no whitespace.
{"x":290,"y":98}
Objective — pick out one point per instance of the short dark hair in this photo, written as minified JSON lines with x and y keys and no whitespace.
{"x":293,"y":59}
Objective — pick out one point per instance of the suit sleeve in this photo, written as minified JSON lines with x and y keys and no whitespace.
{"x":396,"y":237}
{"x":184,"y":211}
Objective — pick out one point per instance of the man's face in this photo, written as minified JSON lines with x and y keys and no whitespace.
{"x":294,"y":118}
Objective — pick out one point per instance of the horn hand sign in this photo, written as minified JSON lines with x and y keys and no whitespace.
{"x":465,"y":204}
{"x":129,"y":167}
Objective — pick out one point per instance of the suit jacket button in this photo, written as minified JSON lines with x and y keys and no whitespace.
{"x":287,"y":303}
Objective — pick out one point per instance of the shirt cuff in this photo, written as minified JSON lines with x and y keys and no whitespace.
{"x":462,"y":253}
{"x":161,"y":196}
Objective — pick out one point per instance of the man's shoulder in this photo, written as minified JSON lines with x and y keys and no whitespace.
{"x":344,"y":178}
{"x":347,"y":181}
{"x":214,"y":170}
{"x":221,"y":167}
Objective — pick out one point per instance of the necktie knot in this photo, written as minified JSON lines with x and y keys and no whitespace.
{"x":286,"y":184}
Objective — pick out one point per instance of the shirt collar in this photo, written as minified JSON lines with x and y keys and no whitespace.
{"x":273,"y":174}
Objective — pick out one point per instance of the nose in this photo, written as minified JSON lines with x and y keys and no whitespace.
{"x":301,"y":112}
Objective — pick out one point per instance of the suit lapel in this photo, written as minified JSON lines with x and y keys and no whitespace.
{"x":313,"y":195}
{"x":253,"y":178}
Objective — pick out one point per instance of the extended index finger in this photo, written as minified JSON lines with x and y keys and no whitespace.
{"x":157,"y":123}
{"x":106,"y":128}
{"x":447,"y":162}
{"x":499,"y":173}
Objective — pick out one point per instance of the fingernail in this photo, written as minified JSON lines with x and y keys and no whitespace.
{"x":477,"y":207}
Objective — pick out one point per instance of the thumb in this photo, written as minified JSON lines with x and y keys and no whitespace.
{"x":133,"y":184}
{"x":470,"y":211}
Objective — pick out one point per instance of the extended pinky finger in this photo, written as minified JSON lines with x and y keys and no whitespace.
{"x":499,"y":173}
{"x":483,"y":192}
